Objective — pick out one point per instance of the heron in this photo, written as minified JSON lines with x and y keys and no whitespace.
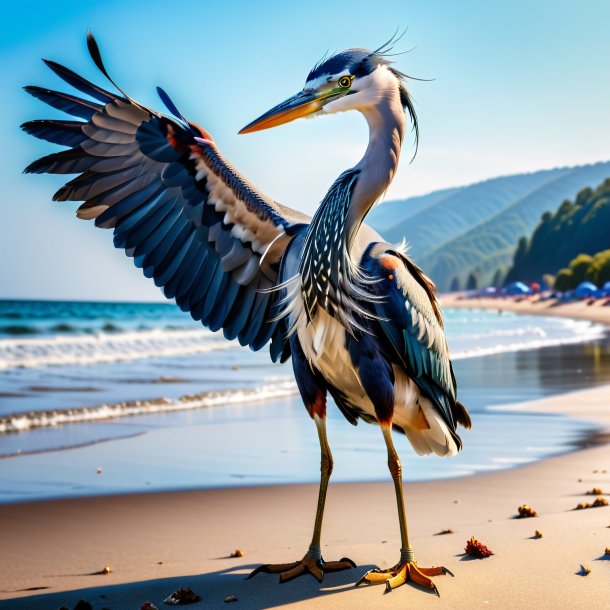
{"x":359,"y":319}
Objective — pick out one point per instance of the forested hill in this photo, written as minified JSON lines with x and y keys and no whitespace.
{"x":475,"y":228}
{"x":576,"y":227}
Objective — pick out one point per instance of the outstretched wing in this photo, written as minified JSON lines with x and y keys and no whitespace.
{"x":411,"y":320}
{"x":207,"y":236}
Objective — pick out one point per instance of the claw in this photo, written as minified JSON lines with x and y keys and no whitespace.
{"x":273,"y":568}
{"x":399,"y":578}
{"x":337,"y":566}
{"x":438,"y":571}
{"x":419,"y":577}
{"x":317,"y":568}
{"x":298,"y":570}
{"x":401,"y":573}
{"x":375,"y":577}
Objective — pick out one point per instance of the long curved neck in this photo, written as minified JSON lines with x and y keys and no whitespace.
{"x":387,"y":125}
{"x":328,"y":271}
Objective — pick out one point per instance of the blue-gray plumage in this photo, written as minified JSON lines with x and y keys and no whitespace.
{"x":359,"y":318}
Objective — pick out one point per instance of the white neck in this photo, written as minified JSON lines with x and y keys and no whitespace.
{"x":387,"y":126}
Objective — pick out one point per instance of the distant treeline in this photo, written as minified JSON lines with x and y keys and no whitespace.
{"x":580,"y":227}
{"x":585,"y":268}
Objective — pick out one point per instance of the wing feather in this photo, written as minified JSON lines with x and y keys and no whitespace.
{"x":410,"y":320}
{"x":176,"y":205}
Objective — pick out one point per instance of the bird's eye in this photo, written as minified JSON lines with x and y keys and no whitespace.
{"x":345,"y":82}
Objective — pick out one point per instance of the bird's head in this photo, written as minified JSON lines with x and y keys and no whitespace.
{"x":356,"y":79}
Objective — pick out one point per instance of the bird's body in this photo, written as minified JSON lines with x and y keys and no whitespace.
{"x":359,"y":319}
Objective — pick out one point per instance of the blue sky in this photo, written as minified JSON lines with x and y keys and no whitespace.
{"x":518,"y":86}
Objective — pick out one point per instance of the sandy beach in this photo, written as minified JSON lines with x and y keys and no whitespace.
{"x":158,"y":542}
{"x":579,"y":310}
{"x":53,"y":552}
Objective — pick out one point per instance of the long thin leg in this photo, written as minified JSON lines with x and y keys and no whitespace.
{"x":326,"y":468}
{"x":312,"y":562}
{"x":406,"y":551}
{"x":406,"y":569}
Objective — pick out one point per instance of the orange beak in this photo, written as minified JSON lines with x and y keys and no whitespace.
{"x":295,"y":107}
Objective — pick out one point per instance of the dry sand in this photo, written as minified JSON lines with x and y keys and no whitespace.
{"x":581,"y":310}
{"x":59,"y":544}
{"x":158,"y":542}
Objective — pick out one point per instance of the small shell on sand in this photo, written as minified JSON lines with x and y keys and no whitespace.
{"x":596,"y":491}
{"x":525,"y":511}
{"x":230,"y":598}
{"x":537,"y":534}
{"x":181,"y":597}
{"x":106,"y":570}
{"x":237,"y":553}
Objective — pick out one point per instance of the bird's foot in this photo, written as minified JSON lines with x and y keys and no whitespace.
{"x":312,"y":563}
{"x":402,"y":572}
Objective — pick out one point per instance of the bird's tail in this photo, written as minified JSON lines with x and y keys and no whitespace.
{"x":462,"y":416}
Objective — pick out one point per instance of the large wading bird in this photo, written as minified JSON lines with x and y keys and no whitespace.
{"x":360,"y":320}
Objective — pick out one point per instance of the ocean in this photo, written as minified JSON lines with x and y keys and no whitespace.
{"x":100,"y":398}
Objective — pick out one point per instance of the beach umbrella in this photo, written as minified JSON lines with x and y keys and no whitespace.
{"x":586,"y":289}
{"x":606,"y":288}
{"x":517,"y":288}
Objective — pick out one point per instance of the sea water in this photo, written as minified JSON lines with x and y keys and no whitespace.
{"x":158,"y":402}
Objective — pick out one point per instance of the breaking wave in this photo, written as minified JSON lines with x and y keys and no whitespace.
{"x":528,"y":337}
{"x":111,"y":346}
{"x":20,"y":422}
{"x":104,"y":348}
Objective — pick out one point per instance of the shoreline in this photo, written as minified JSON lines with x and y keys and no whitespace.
{"x":192,"y":534}
{"x":578,"y":310}
{"x":156,"y":542}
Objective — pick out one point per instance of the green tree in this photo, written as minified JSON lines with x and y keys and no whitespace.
{"x":548,"y":280}
{"x":472,"y":283}
{"x":498,"y":278}
{"x":564,"y":280}
{"x":599,"y":270}
{"x":584,"y":197}
{"x":604,"y":269}
{"x":456,"y":285}
{"x":579,"y":228}
{"x":579,"y":267}
{"x":521,"y":250}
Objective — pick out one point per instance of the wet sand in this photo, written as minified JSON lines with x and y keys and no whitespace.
{"x":155,"y":543}
{"x":53,"y":551}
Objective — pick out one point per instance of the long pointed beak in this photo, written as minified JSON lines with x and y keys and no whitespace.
{"x":295,"y":107}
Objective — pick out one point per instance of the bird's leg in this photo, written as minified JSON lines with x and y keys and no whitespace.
{"x":407,"y":568}
{"x":326,"y":468}
{"x":312,"y":562}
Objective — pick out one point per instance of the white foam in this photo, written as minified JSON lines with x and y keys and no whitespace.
{"x":19,"y":422}
{"x":107,"y":347}
{"x":580,"y":332}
